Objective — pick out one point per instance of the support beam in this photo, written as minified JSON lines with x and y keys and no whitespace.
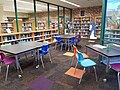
{"x":58,"y":20}
{"x":104,"y":7}
{"x":35,"y":13}
{"x":48,"y":15}
{"x":16,"y":15}
{"x":63,"y":20}
{"x":70,"y":15}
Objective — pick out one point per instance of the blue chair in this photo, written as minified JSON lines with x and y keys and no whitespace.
{"x":43,"y":51}
{"x":71,"y":42}
{"x":59,"y":41}
{"x":77,"y":40}
{"x":85,"y":63}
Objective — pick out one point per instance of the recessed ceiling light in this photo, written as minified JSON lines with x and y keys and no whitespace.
{"x":70,"y":3}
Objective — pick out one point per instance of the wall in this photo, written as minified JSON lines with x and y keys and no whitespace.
{"x":89,"y":11}
{"x":1,"y":12}
{"x":12,"y":14}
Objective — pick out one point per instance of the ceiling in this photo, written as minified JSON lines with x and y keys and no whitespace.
{"x":26,"y":6}
{"x":82,"y":3}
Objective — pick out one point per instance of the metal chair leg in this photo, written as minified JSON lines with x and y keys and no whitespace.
{"x":119,"y":79}
{"x":0,"y":67}
{"x":6,"y":73}
{"x":95,"y":73}
{"x":42,"y":62}
{"x":61,"y":46}
{"x":81,"y":78}
{"x":50,"y":57}
{"x":72,"y":60}
{"x":75,"y":67}
{"x":71,"y":48}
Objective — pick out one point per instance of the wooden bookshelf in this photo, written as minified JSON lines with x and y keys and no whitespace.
{"x":98,"y":25}
{"x":41,"y":25}
{"x":41,"y":35}
{"x":6,"y":25}
{"x":81,"y":25}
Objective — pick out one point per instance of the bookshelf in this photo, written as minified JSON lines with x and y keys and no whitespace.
{"x":81,"y":25}
{"x":41,"y":35}
{"x":41,"y":25}
{"x":98,"y":26}
{"x":7,"y":25}
{"x":85,"y":23}
{"x":112,"y":35}
{"x":28,"y":26}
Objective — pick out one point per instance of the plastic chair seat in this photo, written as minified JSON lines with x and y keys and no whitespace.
{"x":116,"y":66}
{"x":43,"y":53}
{"x":9,"y":60}
{"x":87,"y":63}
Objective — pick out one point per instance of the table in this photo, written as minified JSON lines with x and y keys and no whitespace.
{"x":113,"y":52}
{"x":66,"y":36}
{"x":18,"y":49}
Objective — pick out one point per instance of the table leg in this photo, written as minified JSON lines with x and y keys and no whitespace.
{"x":108,"y":63}
{"x":18,"y":66}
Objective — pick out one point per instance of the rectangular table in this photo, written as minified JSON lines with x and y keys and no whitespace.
{"x":18,"y":49}
{"x":113,"y":52}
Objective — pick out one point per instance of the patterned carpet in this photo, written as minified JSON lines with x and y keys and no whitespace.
{"x":53,"y":76}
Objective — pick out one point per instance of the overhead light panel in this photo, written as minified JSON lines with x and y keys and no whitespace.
{"x":71,"y":3}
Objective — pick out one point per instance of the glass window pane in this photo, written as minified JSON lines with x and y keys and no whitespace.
{"x":25,"y":9}
{"x":112,"y":26}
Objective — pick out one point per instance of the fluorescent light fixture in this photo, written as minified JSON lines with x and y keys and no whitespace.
{"x":70,"y":3}
{"x":36,"y":4}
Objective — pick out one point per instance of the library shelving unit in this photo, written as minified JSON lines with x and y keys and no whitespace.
{"x":7,"y":26}
{"x":98,"y":25}
{"x":85,"y":23}
{"x":53,"y":25}
{"x":77,"y":24}
{"x":112,"y":35}
{"x":40,"y":35}
{"x":28,"y":26}
{"x":81,"y":25}
{"x":41,"y":25}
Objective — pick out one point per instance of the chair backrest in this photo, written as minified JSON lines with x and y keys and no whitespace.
{"x":73,"y":39}
{"x":56,"y":34}
{"x":59,"y":39}
{"x":2,"y":56}
{"x":80,"y":56}
{"x":78,"y":38}
{"x":75,"y":51}
{"x":45,"y":47}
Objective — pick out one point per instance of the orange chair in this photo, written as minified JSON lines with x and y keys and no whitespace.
{"x":76,"y":55}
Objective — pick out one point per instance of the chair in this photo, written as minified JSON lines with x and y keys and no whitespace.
{"x":116,"y":67}
{"x":76,"y":55}
{"x":77,"y":40}
{"x":43,"y":51}
{"x":7,"y":61}
{"x":59,"y":41}
{"x":7,"y":54}
{"x":85,"y":63}
{"x":71,"y":42}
